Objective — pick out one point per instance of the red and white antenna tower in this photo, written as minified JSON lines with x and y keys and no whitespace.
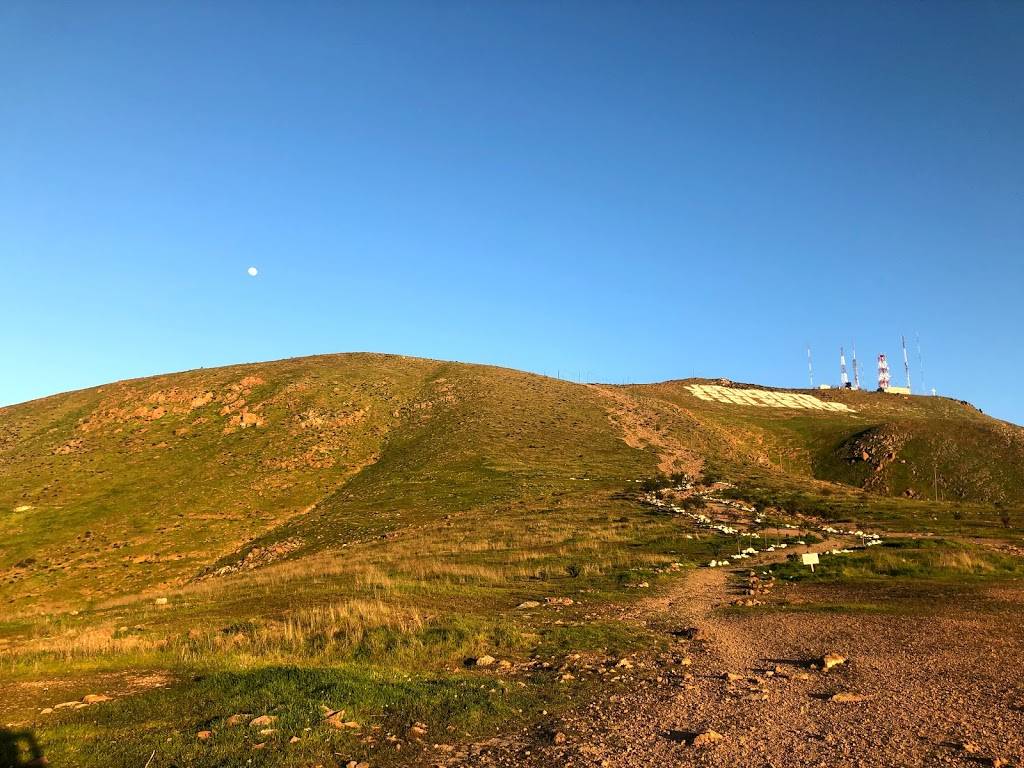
{"x":844,"y":380}
{"x":906,"y":361}
{"x":856,"y":372}
{"x":883,"y":372}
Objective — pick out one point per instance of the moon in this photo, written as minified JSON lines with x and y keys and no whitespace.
{"x":252,"y":271}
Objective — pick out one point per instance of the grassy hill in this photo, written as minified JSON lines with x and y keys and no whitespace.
{"x":141,"y":483}
{"x":346,"y":530}
{"x":147,"y":483}
{"x":890,"y":445}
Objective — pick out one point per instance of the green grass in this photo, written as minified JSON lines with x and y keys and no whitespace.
{"x":166,"y":721}
{"x":424,"y":602}
{"x":912,"y":560}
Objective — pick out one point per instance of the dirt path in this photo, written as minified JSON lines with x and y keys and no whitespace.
{"x":930,"y":683}
{"x":695,"y":599}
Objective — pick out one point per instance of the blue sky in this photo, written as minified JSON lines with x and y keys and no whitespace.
{"x":618,"y":191}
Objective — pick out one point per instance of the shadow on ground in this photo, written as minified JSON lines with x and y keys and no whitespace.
{"x":19,"y":749}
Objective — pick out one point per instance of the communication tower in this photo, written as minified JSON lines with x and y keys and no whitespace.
{"x":883,"y":372}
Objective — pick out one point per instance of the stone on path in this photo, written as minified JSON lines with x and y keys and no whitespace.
{"x":706,"y":738}
{"x":830,"y":660}
{"x":845,"y":697}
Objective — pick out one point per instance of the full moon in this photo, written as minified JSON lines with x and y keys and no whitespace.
{"x":252,"y":271}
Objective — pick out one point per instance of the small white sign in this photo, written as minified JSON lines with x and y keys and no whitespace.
{"x":811,"y":559}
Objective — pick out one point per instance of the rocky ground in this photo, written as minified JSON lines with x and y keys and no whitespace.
{"x":749,"y":686}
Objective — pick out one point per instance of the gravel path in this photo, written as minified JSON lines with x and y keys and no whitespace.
{"x":939,"y":687}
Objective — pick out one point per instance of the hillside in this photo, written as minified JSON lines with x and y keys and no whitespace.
{"x":889,"y":445}
{"x":151,"y":482}
{"x":120,"y":487}
{"x":359,"y":533}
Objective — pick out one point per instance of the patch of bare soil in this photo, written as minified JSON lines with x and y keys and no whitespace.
{"x":641,"y":429}
{"x":937,"y":685}
{"x":21,"y":698}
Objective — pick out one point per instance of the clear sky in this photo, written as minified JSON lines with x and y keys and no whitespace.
{"x":618,"y":191}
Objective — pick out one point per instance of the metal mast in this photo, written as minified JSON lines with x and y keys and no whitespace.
{"x":906,"y":361}
{"x":844,"y":380}
{"x":856,"y":372}
{"x":883,"y":372}
{"x":810,"y":366}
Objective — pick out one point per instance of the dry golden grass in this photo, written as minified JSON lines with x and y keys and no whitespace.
{"x":965,"y":561}
{"x":345,"y":594}
{"x":74,"y":644}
